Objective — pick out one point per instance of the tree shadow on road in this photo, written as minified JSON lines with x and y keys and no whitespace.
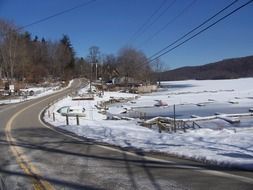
{"x":40,"y":144}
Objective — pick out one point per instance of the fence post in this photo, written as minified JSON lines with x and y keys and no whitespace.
{"x":2,"y":184}
{"x":77,"y":120}
{"x":158,"y":125}
{"x":67,"y":119}
{"x":53,"y":116}
{"x":174,"y":117}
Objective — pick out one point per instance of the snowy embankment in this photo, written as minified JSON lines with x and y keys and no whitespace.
{"x":38,"y":92}
{"x":217,"y":142}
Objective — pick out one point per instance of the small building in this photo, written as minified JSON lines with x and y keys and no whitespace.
{"x":146,"y":88}
{"x":123,"y":80}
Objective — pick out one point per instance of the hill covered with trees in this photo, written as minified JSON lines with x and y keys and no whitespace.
{"x":225,"y":69}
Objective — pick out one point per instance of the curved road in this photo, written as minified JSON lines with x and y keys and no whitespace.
{"x":35,"y":156}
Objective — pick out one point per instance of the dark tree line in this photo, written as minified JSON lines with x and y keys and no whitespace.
{"x":225,"y":69}
{"x":33,"y":60}
{"x":23,"y":58}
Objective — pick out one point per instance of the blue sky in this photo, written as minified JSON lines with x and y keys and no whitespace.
{"x":110,"y":24}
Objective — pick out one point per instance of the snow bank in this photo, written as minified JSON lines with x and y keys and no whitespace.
{"x":38,"y":92}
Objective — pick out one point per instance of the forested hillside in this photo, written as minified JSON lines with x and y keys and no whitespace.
{"x":225,"y":69}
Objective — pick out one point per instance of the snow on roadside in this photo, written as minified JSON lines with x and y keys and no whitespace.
{"x":217,"y":143}
{"x":39,"y":92}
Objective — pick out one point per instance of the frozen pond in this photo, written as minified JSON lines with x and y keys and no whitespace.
{"x":185,"y":111}
{"x":201,"y":98}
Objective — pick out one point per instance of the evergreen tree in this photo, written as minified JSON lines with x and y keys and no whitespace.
{"x":68,"y":57}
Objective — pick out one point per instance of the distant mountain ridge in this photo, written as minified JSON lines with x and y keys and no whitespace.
{"x":225,"y":69}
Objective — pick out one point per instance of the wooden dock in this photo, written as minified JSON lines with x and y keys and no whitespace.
{"x":170,"y":125}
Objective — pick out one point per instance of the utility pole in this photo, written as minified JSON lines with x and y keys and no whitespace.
{"x":96,"y":71}
{"x":91,"y":64}
{"x":93,"y":56}
{"x":158,"y":71}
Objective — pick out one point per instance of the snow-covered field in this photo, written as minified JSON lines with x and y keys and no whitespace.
{"x":217,"y":142}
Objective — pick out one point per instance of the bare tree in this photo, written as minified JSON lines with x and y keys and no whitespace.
{"x":93,"y":58}
{"x":8,"y":46}
{"x":82,"y":67}
{"x":109,"y":67}
{"x":133,"y":63}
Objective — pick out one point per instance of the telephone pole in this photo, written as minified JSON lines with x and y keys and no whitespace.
{"x":91,"y":64}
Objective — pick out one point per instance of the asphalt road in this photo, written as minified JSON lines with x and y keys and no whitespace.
{"x":35,"y":156}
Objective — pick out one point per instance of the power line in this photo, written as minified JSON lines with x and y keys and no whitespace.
{"x":211,"y":25}
{"x":168,"y":23}
{"x":148,"y":20}
{"x":56,"y":14}
{"x":156,"y":19}
{"x":194,"y":29}
{"x":159,"y":16}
